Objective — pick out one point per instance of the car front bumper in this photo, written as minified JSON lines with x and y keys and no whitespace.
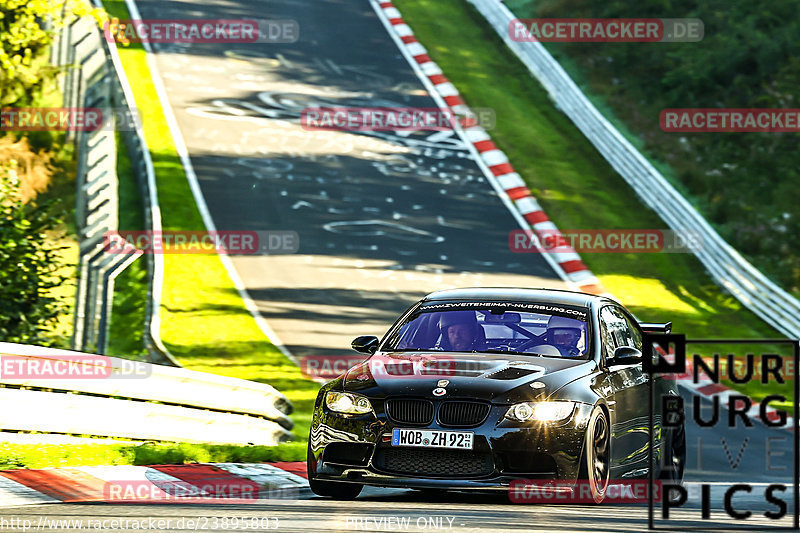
{"x":359,"y":450}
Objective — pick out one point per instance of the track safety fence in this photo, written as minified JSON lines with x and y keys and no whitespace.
{"x":725,"y":265}
{"x":93,"y":77}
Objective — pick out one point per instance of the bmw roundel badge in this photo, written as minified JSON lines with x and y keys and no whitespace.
{"x":439,"y":391}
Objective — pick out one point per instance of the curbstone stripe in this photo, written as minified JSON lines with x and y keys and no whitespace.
{"x":572,"y":268}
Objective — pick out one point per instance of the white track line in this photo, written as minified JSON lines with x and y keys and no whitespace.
{"x":202,"y":206}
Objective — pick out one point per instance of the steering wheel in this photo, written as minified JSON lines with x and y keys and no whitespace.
{"x":529,"y":344}
{"x":570,"y":351}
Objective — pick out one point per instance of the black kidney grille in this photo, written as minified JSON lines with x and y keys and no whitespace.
{"x":410,"y":411}
{"x":445,"y":463}
{"x":463,"y":414}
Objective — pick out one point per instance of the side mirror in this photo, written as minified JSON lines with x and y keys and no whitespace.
{"x":625,"y":355}
{"x":365,"y":344}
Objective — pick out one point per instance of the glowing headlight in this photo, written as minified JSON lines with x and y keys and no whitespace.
{"x":346,"y":402}
{"x":540,"y":411}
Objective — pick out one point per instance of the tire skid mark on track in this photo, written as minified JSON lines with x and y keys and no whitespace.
{"x":498,"y":169}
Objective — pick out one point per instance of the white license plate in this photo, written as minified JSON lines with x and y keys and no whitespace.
{"x":431,"y":438}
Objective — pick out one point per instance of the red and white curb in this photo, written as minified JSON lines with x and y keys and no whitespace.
{"x":215,"y":483}
{"x":498,"y":169}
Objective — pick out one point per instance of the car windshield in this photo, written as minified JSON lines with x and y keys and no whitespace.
{"x":561,"y":332}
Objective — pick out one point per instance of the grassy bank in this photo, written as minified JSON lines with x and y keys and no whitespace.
{"x":54,"y":455}
{"x":130,"y":287}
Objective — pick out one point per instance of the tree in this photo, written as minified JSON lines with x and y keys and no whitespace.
{"x":28,"y":264}
{"x":24,"y":41}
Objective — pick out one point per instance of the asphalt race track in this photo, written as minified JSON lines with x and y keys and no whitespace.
{"x":382,"y":218}
{"x":373,"y":513}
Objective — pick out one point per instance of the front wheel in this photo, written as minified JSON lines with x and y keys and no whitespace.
{"x":595,"y":466}
{"x":329,"y":489}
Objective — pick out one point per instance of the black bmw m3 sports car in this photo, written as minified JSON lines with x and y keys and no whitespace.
{"x":472,"y":389}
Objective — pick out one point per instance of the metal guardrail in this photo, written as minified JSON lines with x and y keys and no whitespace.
{"x":726,"y":266}
{"x":94,"y":77}
{"x":116,"y":399}
{"x":86,"y":84}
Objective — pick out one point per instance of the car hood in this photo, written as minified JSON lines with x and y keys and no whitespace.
{"x":502,"y":378}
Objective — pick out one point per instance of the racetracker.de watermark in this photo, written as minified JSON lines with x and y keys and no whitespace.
{"x":202,"y":490}
{"x":393,"y":119}
{"x":203,"y":242}
{"x":604,"y":241}
{"x":614,"y":30}
{"x":563,"y":491}
{"x":329,"y":366}
{"x":68,"y":119}
{"x":139,"y":523}
{"x":730,"y":120}
{"x":77,"y":366}
{"x":201,"y":31}
{"x":381,"y":367}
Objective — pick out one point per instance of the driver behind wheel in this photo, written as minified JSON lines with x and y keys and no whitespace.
{"x":461,"y":332}
{"x":563,"y":333}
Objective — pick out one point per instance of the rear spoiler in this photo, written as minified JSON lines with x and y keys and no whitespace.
{"x":652,"y":327}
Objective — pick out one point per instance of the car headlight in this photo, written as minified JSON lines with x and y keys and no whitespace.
{"x":540,"y":411}
{"x":347,"y":402}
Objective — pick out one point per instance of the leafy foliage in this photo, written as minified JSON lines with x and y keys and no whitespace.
{"x":23,"y":40}
{"x":28,"y":264}
{"x":746,"y":184}
{"x":26,"y":28}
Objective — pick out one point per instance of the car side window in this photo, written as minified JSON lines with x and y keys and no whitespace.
{"x":621,"y":332}
{"x":634,"y":333}
{"x":626,"y":332}
{"x":607,"y":327}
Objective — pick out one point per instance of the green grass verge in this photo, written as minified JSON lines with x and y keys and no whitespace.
{"x":130,"y":287}
{"x":204,"y":321}
{"x":56,"y":455}
{"x":573,"y":183}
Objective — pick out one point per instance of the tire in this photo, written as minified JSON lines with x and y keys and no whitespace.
{"x":596,"y":458}
{"x":674,"y":456}
{"x":330,"y":489}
